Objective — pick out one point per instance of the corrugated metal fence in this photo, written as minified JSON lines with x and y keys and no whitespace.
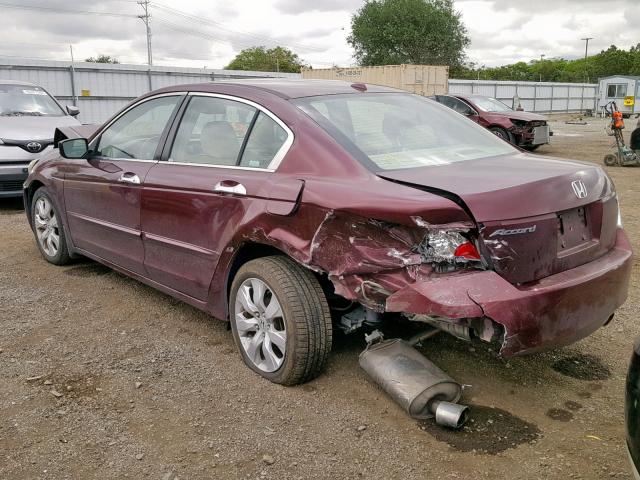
{"x":542,"y":97}
{"x":100,"y":90}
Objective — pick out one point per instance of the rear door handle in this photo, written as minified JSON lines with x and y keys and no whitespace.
{"x":228,"y":186}
{"x":129,"y":177}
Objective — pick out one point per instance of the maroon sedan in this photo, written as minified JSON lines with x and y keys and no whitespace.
{"x":524,"y":129}
{"x":286,"y":206}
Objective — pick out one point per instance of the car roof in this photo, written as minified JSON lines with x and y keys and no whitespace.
{"x":16,"y":82}
{"x":468,"y":96}
{"x":286,"y":88}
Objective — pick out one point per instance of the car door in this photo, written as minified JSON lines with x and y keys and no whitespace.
{"x":102,"y":195}
{"x":217,"y":162}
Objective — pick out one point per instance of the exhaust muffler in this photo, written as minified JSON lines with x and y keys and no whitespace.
{"x":414,"y":382}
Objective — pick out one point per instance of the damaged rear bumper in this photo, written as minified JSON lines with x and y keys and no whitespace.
{"x":552,"y":312}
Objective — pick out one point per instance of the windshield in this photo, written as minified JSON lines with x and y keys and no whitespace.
{"x":18,"y":100}
{"x":489,"y":104}
{"x":396,"y":131}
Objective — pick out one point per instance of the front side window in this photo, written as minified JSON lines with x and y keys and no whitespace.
{"x":136,"y":134}
{"x":396,"y":131}
{"x":212,"y":131}
{"x":27,"y":100}
{"x":617,"y":90}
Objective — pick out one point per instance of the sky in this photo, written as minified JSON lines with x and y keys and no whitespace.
{"x":208,"y":33}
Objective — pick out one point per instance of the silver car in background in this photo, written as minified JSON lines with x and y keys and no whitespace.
{"x":28,"y":119}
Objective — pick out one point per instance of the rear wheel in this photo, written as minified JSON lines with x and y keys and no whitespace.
{"x":280,"y":320}
{"x":47,"y":225}
{"x":610,"y":160}
{"x":505,"y":135}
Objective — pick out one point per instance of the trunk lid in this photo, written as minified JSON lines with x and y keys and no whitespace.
{"x":537,"y":216}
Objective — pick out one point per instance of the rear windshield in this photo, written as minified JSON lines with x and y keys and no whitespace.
{"x":22,"y":100}
{"x":396,"y":131}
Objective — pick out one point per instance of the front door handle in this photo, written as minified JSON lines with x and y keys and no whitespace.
{"x":228,"y":186}
{"x":129,"y":177}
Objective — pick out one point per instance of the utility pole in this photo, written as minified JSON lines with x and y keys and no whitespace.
{"x":146,"y":18}
{"x":586,"y":46}
{"x":586,"y":53}
{"x":72,"y":72}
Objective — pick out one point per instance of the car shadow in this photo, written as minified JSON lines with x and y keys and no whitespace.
{"x":9,"y":206}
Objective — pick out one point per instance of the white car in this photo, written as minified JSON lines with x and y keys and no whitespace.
{"x":28,"y":119}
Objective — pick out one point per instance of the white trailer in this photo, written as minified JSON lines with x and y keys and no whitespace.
{"x":622,"y":89}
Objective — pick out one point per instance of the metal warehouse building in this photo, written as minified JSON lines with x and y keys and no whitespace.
{"x":100,"y":90}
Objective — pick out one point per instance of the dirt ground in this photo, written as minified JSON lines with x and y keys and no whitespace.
{"x":102,"y":377}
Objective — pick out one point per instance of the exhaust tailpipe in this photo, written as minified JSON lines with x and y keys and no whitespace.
{"x":414,"y":382}
{"x":452,"y":415}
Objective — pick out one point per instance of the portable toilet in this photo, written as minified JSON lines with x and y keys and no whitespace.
{"x":622,"y":89}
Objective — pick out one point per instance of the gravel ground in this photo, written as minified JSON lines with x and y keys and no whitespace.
{"x":103,"y":377}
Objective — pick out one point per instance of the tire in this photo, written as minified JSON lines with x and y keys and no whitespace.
{"x":305,"y":320}
{"x":48,"y":229}
{"x":503,"y":134}
{"x":531,"y":148}
{"x":610,"y":160}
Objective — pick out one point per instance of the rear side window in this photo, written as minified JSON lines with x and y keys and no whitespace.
{"x":219,"y":131}
{"x":212,"y":131}
{"x":455,"y":104}
{"x":265,"y":141}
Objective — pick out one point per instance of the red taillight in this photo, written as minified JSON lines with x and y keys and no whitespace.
{"x":467,"y":250}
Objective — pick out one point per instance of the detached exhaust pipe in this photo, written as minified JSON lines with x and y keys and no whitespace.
{"x":414,"y":382}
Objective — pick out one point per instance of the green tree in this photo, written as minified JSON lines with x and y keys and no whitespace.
{"x":388,"y":32}
{"x":261,"y":59}
{"x":612,"y":61}
{"x":102,"y":59}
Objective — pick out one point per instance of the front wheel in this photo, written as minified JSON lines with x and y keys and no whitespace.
{"x":610,"y":160}
{"x":47,"y":226}
{"x":505,"y":135}
{"x":531,"y":148}
{"x":280,"y":320}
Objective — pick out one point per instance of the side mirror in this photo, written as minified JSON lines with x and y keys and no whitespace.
{"x":74,"y":148}
{"x":72,"y":110}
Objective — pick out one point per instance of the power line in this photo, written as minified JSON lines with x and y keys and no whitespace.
{"x":259,"y":38}
{"x":62,"y":10}
{"x":208,"y":36}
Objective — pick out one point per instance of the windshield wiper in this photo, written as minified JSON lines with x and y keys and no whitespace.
{"x":19,"y":113}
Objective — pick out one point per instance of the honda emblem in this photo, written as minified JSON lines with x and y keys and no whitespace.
{"x":579,"y":188}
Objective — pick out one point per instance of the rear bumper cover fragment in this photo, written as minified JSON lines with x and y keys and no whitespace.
{"x":552,"y":312}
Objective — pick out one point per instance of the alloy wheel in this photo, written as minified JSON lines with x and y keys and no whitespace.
{"x":47,"y":226}
{"x":259,"y":321}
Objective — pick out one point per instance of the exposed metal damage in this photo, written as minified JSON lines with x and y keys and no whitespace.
{"x":369,"y":261}
{"x":413,"y":269}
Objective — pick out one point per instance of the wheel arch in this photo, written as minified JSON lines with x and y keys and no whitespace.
{"x":248,"y":251}
{"x":31,"y":190}
{"x":244,"y":253}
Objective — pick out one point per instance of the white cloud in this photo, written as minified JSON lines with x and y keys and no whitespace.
{"x":501,"y":31}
